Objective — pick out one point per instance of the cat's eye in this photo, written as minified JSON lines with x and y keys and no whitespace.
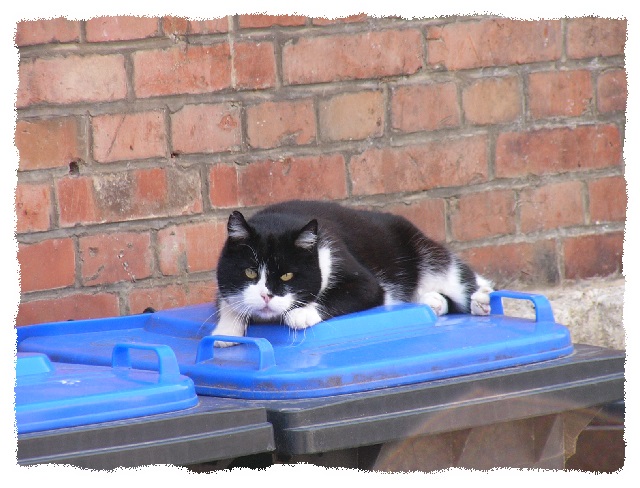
{"x":251,"y":273}
{"x":286,"y":276}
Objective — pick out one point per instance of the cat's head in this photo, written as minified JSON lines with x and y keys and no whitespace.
{"x":269,"y":266}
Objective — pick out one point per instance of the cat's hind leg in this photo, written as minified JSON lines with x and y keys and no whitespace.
{"x":480,"y":298}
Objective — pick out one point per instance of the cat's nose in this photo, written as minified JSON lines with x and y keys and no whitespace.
{"x":266,"y":296}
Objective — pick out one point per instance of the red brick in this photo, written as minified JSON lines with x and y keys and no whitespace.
{"x":274,"y":124}
{"x":45,"y":31}
{"x":549,"y":151}
{"x":495,"y":42}
{"x":594,"y":255}
{"x":352,"y":116}
{"x":255,"y":21}
{"x":424,"y":107}
{"x":118,"y":137}
{"x":492,"y":101}
{"x":223,"y":186}
{"x":33,"y":207}
{"x":182,"y":26}
{"x":72,"y":79}
{"x":48,"y":143}
{"x":172,"y":296}
{"x":46,"y":265}
{"x":111,"y":258}
{"x":434,"y":164}
{"x":551,"y":206}
{"x":426,"y":214}
{"x":254,"y":64}
{"x":510,"y":264}
{"x":74,"y":307}
{"x":190,"y":248}
{"x":340,"y":20}
{"x":120,"y":28}
{"x":592,"y":37}
{"x":612,"y":91}
{"x":355,"y":56}
{"x":481,"y":215}
{"x":560,"y":93}
{"x":186,"y":68}
{"x":322,"y":177}
{"x":76,"y":201}
{"x":608,"y":199}
{"x":206,"y":128}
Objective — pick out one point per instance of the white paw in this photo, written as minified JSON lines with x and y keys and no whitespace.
{"x":224,"y":344}
{"x":480,"y":301}
{"x":436,"y":301}
{"x":303,"y":317}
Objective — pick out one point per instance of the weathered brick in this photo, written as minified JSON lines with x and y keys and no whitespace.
{"x":495,"y":42}
{"x":608,"y":199}
{"x":434,"y":164}
{"x":560,"y":93}
{"x":612,"y":91}
{"x":274,"y":124}
{"x":120,"y":28}
{"x":190,"y":248}
{"x":340,"y":20}
{"x":560,"y":150}
{"x":254,"y":64}
{"x":551,"y":206}
{"x":426,"y":214}
{"x":73,"y":307}
{"x":33,"y":207}
{"x":492,"y":100}
{"x":72,"y":79}
{"x":322,"y":177}
{"x":593,"y":255}
{"x":352,"y":116}
{"x":591,"y":37}
{"x":185,"y":68}
{"x":424,"y":107}
{"x":76,"y":201}
{"x":48,"y":143}
{"x":171,"y":296}
{"x":45,"y":31}
{"x":355,"y":56}
{"x":510,"y":264}
{"x":46,"y":265}
{"x":223,"y":186}
{"x":111,"y":258}
{"x":481,"y":215}
{"x":206,"y":128}
{"x":118,"y":137}
{"x":256,"y":21}
{"x":182,"y":26}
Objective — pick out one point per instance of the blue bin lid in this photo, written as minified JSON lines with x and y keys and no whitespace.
{"x":382,"y":347}
{"x":54,"y":395}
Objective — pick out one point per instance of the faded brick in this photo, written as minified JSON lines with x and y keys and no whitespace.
{"x":557,"y":150}
{"x":121,"y":28}
{"x":254,"y":64}
{"x":356,"y":56}
{"x":608,"y":199}
{"x":560,"y":93}
{"x":352,"y":116}
{"x":481,"y":215}
{"x":426,"y":214}
{"x":340,"y":20}
{"x":172,"y":296}
{"x":185,"y":68}
{"x":593,"y":255}
{"x":45,"y":31}
{"x":118,"y":137}
{"x":72,"y":79}
{"x":46,"y":265}
{"x":79,"y":306}
{"x":223,"y":186}
{"x":424,"y":107}
{"x":274,"y":124}
{"x":33,"y":207}
{"x":592,"y":37}
{"x":492,"y":101}
{"x":182,"y":26}
{"x":612,"y":91}
{"x":48,"y":143}
{"x":551,"y":206}
{"x":495,"y":42}
{"x":76,"y":201}
{"x":206,"y":128}
{"x":420,"y":167}
{"x":255,"y":21}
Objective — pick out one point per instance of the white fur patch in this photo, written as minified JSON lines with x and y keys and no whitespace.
{"x":448,"y":284}
{"x":302,"y":317}
{"x":230,"y":323}
{"x":325,"y":261}
{"x":480,"y":299}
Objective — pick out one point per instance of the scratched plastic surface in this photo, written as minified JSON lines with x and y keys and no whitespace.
{"x":382,"y":347}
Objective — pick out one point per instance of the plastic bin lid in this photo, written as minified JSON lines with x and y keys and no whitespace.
{"x":55,"y":395}
{"x":378,"y":348}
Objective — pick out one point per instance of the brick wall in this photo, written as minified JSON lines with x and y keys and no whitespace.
{"x":138,"y":136}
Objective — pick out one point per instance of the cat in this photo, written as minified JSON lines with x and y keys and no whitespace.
{"x":300,"y":262}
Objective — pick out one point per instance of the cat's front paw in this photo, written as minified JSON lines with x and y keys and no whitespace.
{"x":303,"y":317}
{"x":480,"y":301}
{"x":224,"y":344}
{"x":436,"y":301}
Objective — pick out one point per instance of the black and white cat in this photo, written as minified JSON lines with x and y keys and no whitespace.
{"x":301,"y":262}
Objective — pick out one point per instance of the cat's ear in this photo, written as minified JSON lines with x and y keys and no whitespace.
{"x":237,"y":227}
{"x":308,"y":236}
